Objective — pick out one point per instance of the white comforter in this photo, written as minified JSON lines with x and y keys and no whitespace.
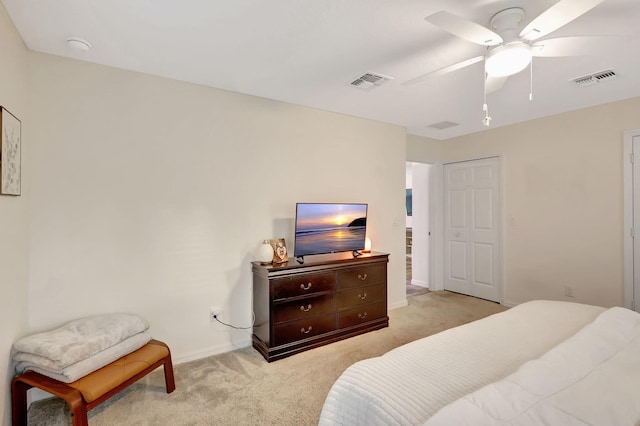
{"x":591,"y":378}
{"x":409,"y":384}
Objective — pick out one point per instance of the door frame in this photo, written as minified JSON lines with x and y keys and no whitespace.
{"x":427,"y":240}
{"x":439,"y":242}
{"x":627,"y":152}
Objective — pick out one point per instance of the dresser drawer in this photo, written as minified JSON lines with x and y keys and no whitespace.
{"x":302,"y":329}
{"x":361,"y":296}
{"x":361,"y":314}
{"x":303,"y":308}
{"x":366,"y":275}
{"x":302,"y":285}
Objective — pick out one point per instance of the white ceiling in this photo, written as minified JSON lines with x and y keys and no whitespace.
{"x":307,"y":53}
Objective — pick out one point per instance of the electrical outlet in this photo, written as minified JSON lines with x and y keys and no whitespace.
{"x":568,"y":290}
{"x":215,"y":312}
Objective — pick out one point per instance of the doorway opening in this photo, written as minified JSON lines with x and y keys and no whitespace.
{"x":418,"y":228}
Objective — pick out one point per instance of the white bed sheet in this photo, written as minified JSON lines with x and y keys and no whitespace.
{"x":409,"y":384}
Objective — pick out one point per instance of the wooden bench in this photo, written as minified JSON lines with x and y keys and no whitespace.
{"x":93,"y":389}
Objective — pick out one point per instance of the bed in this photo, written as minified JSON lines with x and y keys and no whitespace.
{"x":541,"y":362}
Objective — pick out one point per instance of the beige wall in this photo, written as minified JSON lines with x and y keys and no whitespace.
{"x":423,"y":150}
{"x":562,"y":201}
{"x":151,"y":195}
{"x":14,"y":251}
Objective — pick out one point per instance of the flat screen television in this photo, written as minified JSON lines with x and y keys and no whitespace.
{"x":329,"y":228}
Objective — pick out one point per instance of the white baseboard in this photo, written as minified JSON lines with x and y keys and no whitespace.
{"x":399,"y":304}
{"x":35,"y":394}
{"x":420,"y":283}
{"x":207,"y":352}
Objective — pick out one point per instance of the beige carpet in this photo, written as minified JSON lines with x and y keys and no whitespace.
{"x":241,"y":388}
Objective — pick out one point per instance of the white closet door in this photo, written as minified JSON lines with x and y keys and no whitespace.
{"x":636,"y":222}
{"x":472,"y":228}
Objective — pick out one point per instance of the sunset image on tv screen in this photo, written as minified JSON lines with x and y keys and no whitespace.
{"x":329,"y":228}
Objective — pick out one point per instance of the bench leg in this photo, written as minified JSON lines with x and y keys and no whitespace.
{"x":78,"y":408}
{"x":21,"y":384}
{"x":169,"y":380}
{"x":19,"y":403}
{"x":79,"y":414}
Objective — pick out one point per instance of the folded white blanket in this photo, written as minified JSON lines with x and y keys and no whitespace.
{"x":77,"y":340}
{"x":589,"y":379}
{"x":86,"y":366}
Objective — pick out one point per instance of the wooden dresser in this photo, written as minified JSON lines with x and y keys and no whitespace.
{"x":328,"y":298}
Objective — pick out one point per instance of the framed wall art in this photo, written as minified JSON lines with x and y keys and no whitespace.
{"x":10,"y":146}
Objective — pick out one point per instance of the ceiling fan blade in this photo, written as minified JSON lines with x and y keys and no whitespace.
{"x":574,"y":46}
{"x":556,"y":16}
{"x":444,"y":70}
{"x":465,"y":29}
{"x":493,"y":84}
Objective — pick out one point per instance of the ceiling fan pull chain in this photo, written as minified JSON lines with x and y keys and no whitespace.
{"x":531,"y":80}
{"x":486,"y":120}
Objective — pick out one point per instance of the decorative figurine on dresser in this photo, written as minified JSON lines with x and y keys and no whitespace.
{"x":329,"y":292}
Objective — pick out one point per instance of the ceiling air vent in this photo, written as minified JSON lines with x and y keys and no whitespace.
{"x":370,"y":80}
{"x":588,"y":80}
{"x":443,"y":125}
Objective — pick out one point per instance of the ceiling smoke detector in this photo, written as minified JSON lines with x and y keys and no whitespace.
{"x":78,"y":44}
{"x":370,"y":80}
{"x":588,"y":80}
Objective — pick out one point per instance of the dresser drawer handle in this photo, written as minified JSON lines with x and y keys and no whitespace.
{"x":362,"y":277}
{"x":305,"y":286}
{"x":307,"y":331}
{"x":362,"y":315}
{"x":362,"y":296}
{"x":307,"y":309}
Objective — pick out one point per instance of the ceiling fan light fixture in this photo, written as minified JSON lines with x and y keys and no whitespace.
{"x":508,"y":59}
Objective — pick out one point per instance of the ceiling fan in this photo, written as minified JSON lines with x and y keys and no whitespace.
{"x":509,"y":52}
